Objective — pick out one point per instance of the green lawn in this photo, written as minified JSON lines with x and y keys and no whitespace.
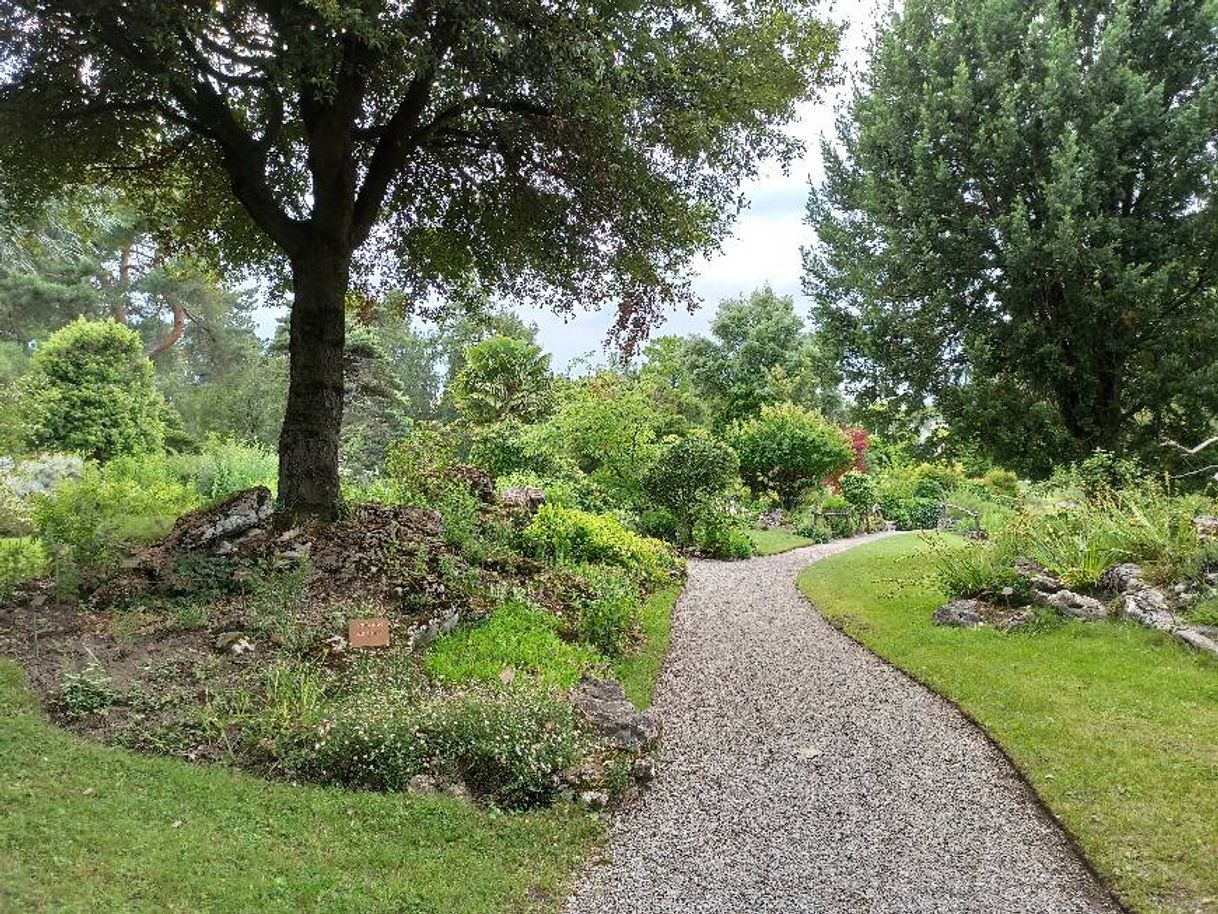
{"x":639,"y":671}
{"x":772,"y":542}
{"x":89,"y":828}
{"x":1114,"y":726}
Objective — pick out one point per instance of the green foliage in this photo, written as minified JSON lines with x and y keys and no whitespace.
{"x":571,"y":536}
{"x":90,"y":391}
{"x":87,"y":524}
{"x":859,"y":491}
{"x":610,"y":427}
{"x":1143,"y":525}
{"x":689,"y":472}
{"x":21,"y":559}
{"x":415,"y":464}
{"x":507,"y":744}
{"x":503,"y":378}
{"x":86,"y":692}
{"x":15,"y":516}
{"x":980,"y":570}
{"x":608,"y":617}
{"x":720,"y":534}
{"x":787,"y":449}
{"x":511,"y":448}
{"x":988,"y":236}
{"x":1000,"y":482}
{"x":227,"y":466}
{"x":760,"y":354}
{"x":517,"y":637}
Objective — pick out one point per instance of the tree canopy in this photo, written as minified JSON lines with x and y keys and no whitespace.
{"x":571,"y":154}
{"x":1020,"y":222}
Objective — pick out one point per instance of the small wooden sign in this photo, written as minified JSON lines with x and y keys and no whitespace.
{"x":368,"y":633}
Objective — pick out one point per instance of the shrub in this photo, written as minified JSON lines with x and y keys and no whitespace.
{"x":687,"y":473}
{"x":859,"y":490}
{"x":414,"y":467}
{"x":571,"y":536}
{"x":88,"y":523}
{"x":787,"y":449}
{"x":721,"y":535}
{"x":16,"y":518}
{"x":981,"y":570}
{"x":509,"y":447}
{"x":913,"y":513}
{"x":503,"y":378}
{"x":608,"y":618}
{"x":659,"y":523}
{"x":86,"y":692}
{"x":21,"y":559}
{"x":517,"y":636}
{"x":227,"y":466}
{"x":1001,"y":482}
{"x":507,"y":744}
{"x":90,"y":391}
{"x":372,"y":740}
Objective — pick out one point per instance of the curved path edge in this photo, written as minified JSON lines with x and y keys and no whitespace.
{"x":803,"y":773}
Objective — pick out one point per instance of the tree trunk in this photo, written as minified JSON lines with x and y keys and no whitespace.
{"x":309,"y":441}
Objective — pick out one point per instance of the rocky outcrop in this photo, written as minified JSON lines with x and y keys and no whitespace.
{"x":1042,"y":581}
{"x":1077,"y":605}
{"x":1122,"y":578}
{"x":1149,"y":607}
{"x":961,"y":614}
{"x":524,"y":498}
{"x":604,"y":705}
{"x":1206,"y":527}
{"x":1200,"y":638}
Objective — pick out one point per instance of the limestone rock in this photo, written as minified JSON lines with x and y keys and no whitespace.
{"x":1149,"y":607}
{"x":526,"y":498}
{"x":1122,"y":578}
{"x":1042,"y":581}
{"x":1200,"y":637}
{"x":961,"y":614}
{"x":1206,"y":526}
{"x":604,"y":705}
{"x":1077,"y":605}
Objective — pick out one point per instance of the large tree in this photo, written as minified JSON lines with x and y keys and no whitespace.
{"x":1020,"y":220}
{"x":571,"y":152}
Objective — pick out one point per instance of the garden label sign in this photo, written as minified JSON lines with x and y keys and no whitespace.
{"x":363,"y":633}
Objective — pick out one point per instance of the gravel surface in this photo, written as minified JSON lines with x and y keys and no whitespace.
{"x":802,"y":774}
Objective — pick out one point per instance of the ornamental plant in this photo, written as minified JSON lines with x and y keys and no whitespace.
{"x":786,"y":449}
{"x":687,"y":474}
{"x":90,"y":391}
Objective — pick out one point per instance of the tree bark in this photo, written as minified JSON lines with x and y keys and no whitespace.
{"x":309,"y":441}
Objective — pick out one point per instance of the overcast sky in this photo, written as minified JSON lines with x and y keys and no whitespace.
{"x":765,"y":245}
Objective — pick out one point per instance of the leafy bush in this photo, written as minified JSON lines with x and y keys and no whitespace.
{"x":227,"y":466}
{"x":517,"y":636}
{"x":659,"y":523}
{"x":90,"y":391}
{"x":86,"y":692}
{"x":508,"y":744}
{"x":16,"y":519}
{"x":1000,"y":482}
{"x":88,"y":523}
{"x":859,"y":490}
{"x":1138,"y":525}
{"x":787,"y":449}
{"x":571,"y":536}
{"x":609,"y":616}
{"x":21,"y":559}
{"x":687,"y":473}
{"x":509,"y":447}
{"x":720,"y":534}
{"x":414,"y":467}
{"x":981,"y":570}
{"x":913,"y":513}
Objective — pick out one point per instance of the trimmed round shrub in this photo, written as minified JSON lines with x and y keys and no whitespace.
{"x":787,"y":449}
{"x":859,"y":490}
{"x":90,"y":391}
{"x":687,"y":473}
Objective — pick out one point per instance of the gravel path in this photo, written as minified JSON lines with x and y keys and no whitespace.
{"x":802,"y":774}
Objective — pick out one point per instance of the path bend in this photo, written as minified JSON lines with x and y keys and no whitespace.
{"x":803,"y":774}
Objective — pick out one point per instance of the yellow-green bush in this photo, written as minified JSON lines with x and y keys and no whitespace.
{"x":568,"y":535}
